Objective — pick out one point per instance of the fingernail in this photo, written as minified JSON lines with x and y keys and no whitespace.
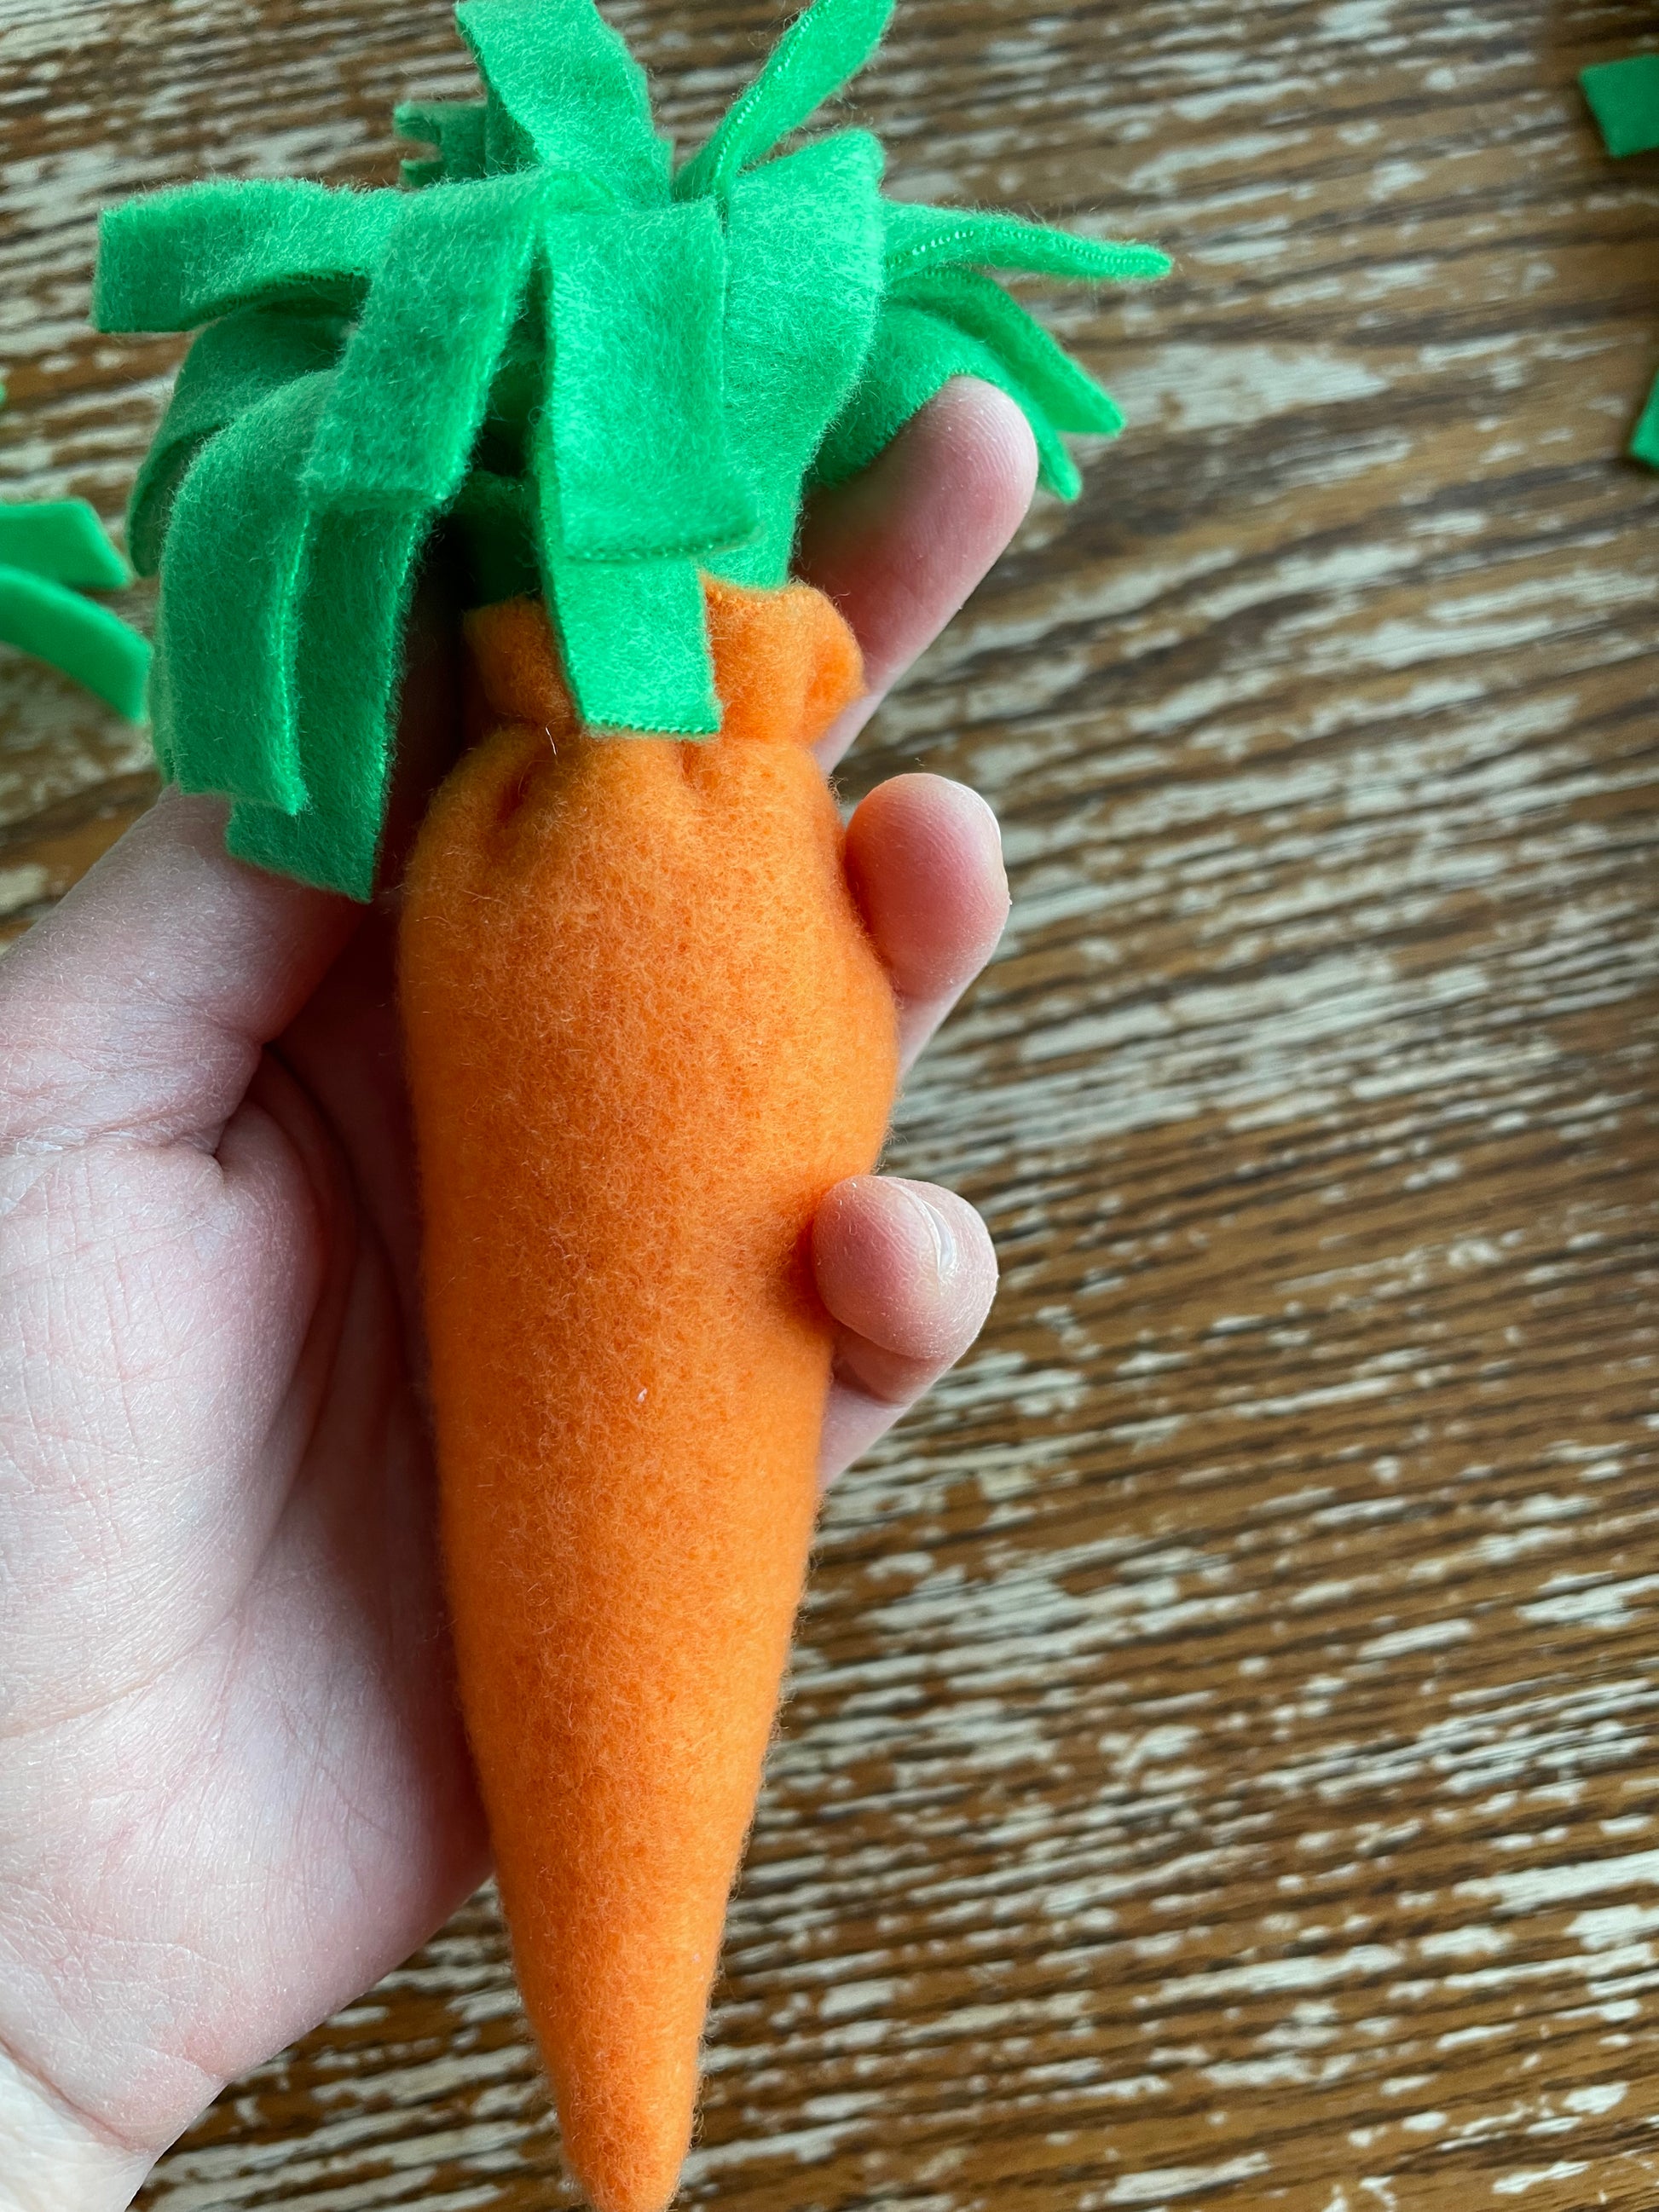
{"x":936,"y":1225}
{"x":987,"y":827}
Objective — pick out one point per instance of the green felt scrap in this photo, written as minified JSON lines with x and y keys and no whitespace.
{"x":47,"y":549}
{"x":84,"y":640}
{"x":1623,"y":98}
{"x":1645,"y":439}
{"x":612,"y":376}
{"x":63,"y":539}
{"x":1066,"y":394}
{"x":803,"y":243}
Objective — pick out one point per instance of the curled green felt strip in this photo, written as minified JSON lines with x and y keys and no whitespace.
{"x":414,"y":382}
{"x":183,"y":258}
{"x":230,"y":603}
{"x":235,"y":364}
{"x":62,"y":539}
{"x":614,"y":378}
{"x":919,"y":238}
{"x":358,"y":583}
{"x":815,"y":57}
{"x":1066,"y":394}
{"x":1644,"y":438}
{"x":568,"y":92}
{"x":84,"y":640}
{"x":913,"y":356}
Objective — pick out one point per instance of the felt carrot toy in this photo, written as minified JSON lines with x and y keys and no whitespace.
{"x":1623,"y":98}
{"x":645,"y":1030}
{"x":50,"y":551}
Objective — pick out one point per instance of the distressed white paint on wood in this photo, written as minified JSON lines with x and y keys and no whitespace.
{"x":1221,"y":1765}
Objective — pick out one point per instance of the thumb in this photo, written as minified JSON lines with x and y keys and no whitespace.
{"x":142,"y":1003}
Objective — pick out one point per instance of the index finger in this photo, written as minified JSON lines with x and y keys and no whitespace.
{"x":899,"y":547}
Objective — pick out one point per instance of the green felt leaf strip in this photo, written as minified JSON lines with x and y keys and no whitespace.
{"x":229,"y":615}
{"x":571,"y":88}
{"x":1645,"y":439}
{"x":233,"y":365}
{"x":414,"y":382}
{"x":1067,"y":394}
{"x":914,"y":355}
{"x":358,"y":583}
{"x":635,"y":644}
{"x":804,"y":248}
{"x":920,"y":238}
{"x":84,"y":640}
{"x":62,"y":538}
{"x":815,"y":57}
{"x":181,"y":258}
{"x":1623,"y":98}
{"x":638,"y":434}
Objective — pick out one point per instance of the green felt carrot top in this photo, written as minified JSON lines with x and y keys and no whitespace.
{"x":613,"y":372}
{"x":1623,"y":98}
{"x":50,"y":551}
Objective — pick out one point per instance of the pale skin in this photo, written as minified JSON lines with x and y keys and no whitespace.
{"x":234,"y":1787}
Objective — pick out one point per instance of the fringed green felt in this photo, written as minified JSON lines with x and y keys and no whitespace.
{"x":1623,"y":98}
{"x":614,"y":375}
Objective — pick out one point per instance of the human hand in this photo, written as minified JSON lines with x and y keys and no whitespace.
{"x":235,"y":1788}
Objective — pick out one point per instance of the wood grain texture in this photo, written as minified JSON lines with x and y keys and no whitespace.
{"x":1221,"y":1766}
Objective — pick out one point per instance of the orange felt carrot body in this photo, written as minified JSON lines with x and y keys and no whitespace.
{"x":646,"y":1033}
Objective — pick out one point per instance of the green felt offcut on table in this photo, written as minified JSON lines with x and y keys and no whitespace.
{"x":50,"y":551}
{"x":1623,"y":98}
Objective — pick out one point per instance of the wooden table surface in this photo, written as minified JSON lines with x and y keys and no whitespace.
{"x":1221,"y":1766}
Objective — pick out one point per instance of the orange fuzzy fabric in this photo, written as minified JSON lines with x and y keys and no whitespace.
{"x":646,"y":1033}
